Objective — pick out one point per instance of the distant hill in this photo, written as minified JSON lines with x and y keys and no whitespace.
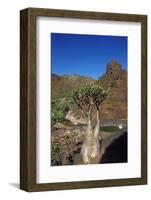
{"x":63,"y":86}
{"x":114,"y":79}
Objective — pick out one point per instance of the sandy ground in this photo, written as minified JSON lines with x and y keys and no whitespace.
{"x":69,"y":141}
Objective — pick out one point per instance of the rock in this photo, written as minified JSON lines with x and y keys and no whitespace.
{"x":59,"y":125}
{"x":74,"y":119}
{"x":114,"y":70}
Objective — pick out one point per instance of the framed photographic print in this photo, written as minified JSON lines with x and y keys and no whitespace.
{"x":83,"y":99}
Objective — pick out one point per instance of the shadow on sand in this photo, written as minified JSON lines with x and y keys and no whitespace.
{"x":116,"y":152}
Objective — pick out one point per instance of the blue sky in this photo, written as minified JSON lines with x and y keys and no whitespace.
{"x":86,"y":55}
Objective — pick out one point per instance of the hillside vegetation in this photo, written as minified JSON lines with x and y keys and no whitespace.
{"x":114,"y":79}
{"x":63,"y":86}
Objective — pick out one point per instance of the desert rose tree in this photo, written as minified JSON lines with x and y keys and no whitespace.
{"x":86,"y":97}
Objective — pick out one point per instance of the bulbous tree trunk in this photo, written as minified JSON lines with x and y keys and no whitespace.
{"x":91,"y":151}
{"x":85,"y":97}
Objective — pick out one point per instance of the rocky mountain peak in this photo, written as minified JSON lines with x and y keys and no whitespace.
{"x":113,"y":70}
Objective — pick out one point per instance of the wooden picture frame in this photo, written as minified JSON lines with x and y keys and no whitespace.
{"x":28,"y":98}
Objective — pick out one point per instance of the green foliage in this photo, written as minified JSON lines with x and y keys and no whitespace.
{"x":109,"y":128}
{"x":57,"y":116}
{"x":59,"y":108}
{"x":90,"y":94}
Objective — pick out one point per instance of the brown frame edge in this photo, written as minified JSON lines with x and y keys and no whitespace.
{"x":28,"y":98}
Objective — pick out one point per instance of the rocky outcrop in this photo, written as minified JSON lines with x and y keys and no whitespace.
{"x":114,"y":70}
{"x":75,"y":119}
{"x":115,"y":79}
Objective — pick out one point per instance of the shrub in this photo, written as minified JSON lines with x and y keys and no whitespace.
{"x":57,"y":116}
{"x":59,"y":108}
